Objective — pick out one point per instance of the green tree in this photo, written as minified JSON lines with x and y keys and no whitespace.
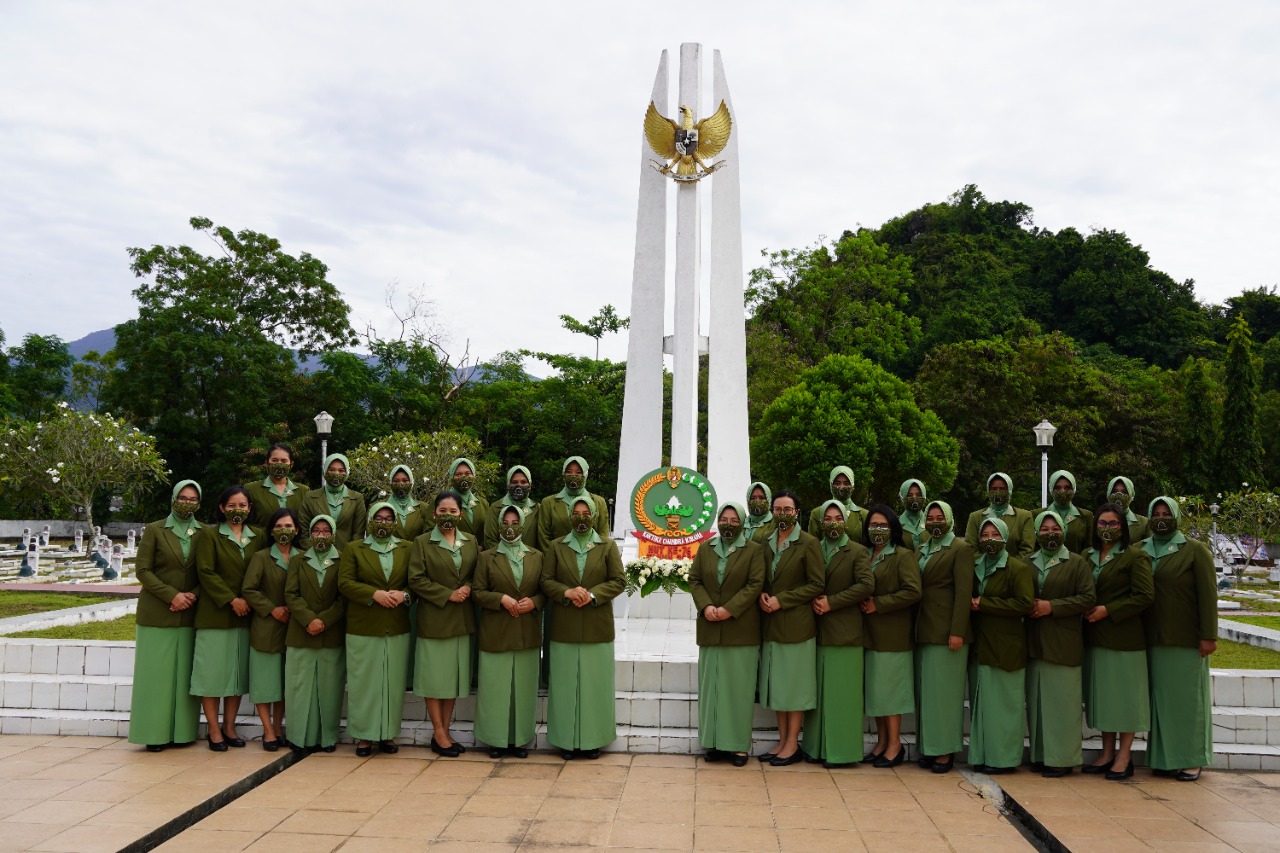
{"x":8,"y":404}
{"x":37,"y":380}
{"x":605,"y":321}
{"x":427,"y":454}
{"x":850,"y":410}
{"x":1199,"y":428}
{"x":1240,"y":453}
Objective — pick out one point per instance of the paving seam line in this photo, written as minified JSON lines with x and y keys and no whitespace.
{"x":220,"y":800}
{"x":1035,"y":832}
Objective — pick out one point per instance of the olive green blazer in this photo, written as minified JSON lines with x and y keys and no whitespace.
{"x":852,"y":523}
{"x":1079,"y":531}
{"x":897,"y":589}
{"x":1185,"y":610}
{"x":739,"y":593}
{"x":360,"y":576}
{"x":221,"y":570}
{"x":473,"y":527}
{"x":499,"y":630}
{"x":163,"y":573}
{"x":554,"y":523}
{"x":1000,"y":639}
{"x":1139,"y":530}
{"x":946,"y":584}
{"x":264,"y":590}
{"x":265,"y":502}
{"x":1059,"y":637}
{"x":493,"y":526}
{"x":849,"y":583}
{"x":1126,"y":589}
{"x":432,"y":579}
{"x":796,"y":582}
{"x":602,"y":577}
{"x":308,"y":600}
{"x":351,"y":523}
{"x":414,"y":524}
{"x":1022,"y":534}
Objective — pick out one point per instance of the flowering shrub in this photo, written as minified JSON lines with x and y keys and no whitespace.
{"x":427,"y":454}
{"x":651,"y":574}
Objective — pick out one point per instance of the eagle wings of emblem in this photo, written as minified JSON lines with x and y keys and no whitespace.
{"x":687,"y":146}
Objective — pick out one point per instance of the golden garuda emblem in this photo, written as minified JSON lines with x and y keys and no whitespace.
{"x":687,"y":146}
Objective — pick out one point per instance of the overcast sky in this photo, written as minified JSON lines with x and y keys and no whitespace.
{"x":489,"y":150}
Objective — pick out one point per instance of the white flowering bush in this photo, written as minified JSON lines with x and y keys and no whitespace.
{"x":1245,"y":522}
{"x":74,"y":454}
{"x":428,"y":455}
{"x":651,"y":574}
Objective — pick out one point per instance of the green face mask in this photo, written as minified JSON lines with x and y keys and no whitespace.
{"x":581,"y":522}
{"x":998,"y":497}
{"x":937,"y":529}
{"x":283,"y":535}
{"x":463,"y":484}
{"x":279,"y":470}
{"x":730,"y":532}
{"x":991,"y":547}
{"x":1163,"y":526}
{"x":381,"y":529}
{"x":446,"y":522}
{"x":913,"y":504}
{"x":879,"y":536}
{"x":1122,"y":498}
{"x":1049,"y":542}
{"x":335,"y":479}
{"x":321,"y":542}
{"x":1109,"y":534}
{"x":833,"y":530}
{"x":784,"y":521}
{"x":400,"y":490}
{"x":184,"y":510}
{"x":758,"y":508}
{"x":573,"y":482}
{"x":518,"y":493}
{"x":511,"y":532}
{"x":1062,"y":497}
{"x":236,"y":516}
{"x":842,"y":493}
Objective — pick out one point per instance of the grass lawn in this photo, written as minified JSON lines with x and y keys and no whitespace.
{"x":1243,"y":656}
{"x":116,"y":629}
{"x":1262,"y":621}
{"x":23,"y":603}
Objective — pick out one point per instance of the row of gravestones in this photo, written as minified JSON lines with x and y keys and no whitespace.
{"x":104,"y":555}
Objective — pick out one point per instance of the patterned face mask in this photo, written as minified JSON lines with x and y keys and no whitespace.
{"x":381,"y":529}
{"x":236,"y":516}
{"x":913,"y":504}
{"x":445,"y":521}
{"x":1109,"y":534}
{"x":184,"y":510}
{"x":842,"y":493}
{"x":321,"y":542}
{"x":400,"y":490}
{"x":758,"y":507}
{"x":730,"y":532}
{"x":335,"y":479}
{"x":573,"y":482}
{"x":463,"y":484}
{"x":1122,"y":498}
{"x":511,"y":532}
{"x":937,"y":529}
{"x":833,"y":529}
{"x":998,"y":497}
{"x":279,"y":470}
{"x":581,"y":522}
{"x":1049,"y":541}
{"x":1163,"y":526}
{"x":518,"y":493}
{"x":284,"y":535}
{"x":991,"y":547}
{"x":879,"y":536}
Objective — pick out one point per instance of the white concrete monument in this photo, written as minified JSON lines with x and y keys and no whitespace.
{"x":687,"y":144}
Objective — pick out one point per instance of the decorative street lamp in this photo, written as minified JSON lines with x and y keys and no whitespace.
{"x":1044,"y":440}
{"x":324,"y":429}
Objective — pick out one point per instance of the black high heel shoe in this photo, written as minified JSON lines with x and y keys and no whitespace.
{"x":237,"y":742}
{"x":444,"y":751}
{"x":941,"y":767}
{"x":872,"y":757}
{"x":216,"y":745}
{"x":1116,"y":775}
{"x":883,"y":762}
{"x":1097,"y":769}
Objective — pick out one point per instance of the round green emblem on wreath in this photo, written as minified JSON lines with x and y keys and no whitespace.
{"x":673,"y":503}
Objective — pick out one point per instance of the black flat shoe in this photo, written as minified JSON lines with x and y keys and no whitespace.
{"x":390,"y":747}
{"x":838,"y":765}
{"x":364,"y":751}
{"x":998,"y":771}
{"x":444,"y":751}
{"x":1187,"y":776}
{"x":1096,"y":769}
{"x":809,"y":759}
{"x":300,"y":749}
{"x":461,"y":749}
{"x":883,"y":762}
{"x":872,"y":757}
{"x":237,"y":742}
{"x":1037,"y":767}
{"x":155,"y":747}
{"x":1056,"y":772}
{"x":590,"y":754}
{"x":496,"y":752}
{"x":778,"y":761}
{"x":711,"y":756}
{"x":281,"y":742}
{"x":216,"y":745}
{"x":1164,"y":774}
{"x":1117,"y":775}
{"x":939,"y":767}
{"x":738,"y":760}
{"x":924,"y":762}
{"x":566,"y":754}
{"x":518,"y":752}
{"x":271,"y":746}
{"x":330,"y":748}
{"x":766,"y":756}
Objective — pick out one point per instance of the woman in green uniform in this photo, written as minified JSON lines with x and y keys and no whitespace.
{"x":1182,"y":631}
{"x":1021,"y":536}
{"x":759,"y":515}
{"x":1116,"y":699}
{"x":841,"y":482}
{"x":441,"y":566}
{"x":554,"y":522}
{"x":163,"y":711}
{"x":913,"y":497}
{"x":942,"y":629}
{"x":315,"y":665}
{"x":519,"y":485}
{"x":788,"y":683}
{"x":345,"y":506}
{"x":1120,"y":491}
{"x":475,"y":509}
{"x":264,"y":581}
{"x":1077,"y":524}
{"x":725,"y":579}
{"x":411,"y":518}
{"x":833,"y":729}
{"x":220,"y":670}
{"x":373,"y":577}
{"x":581,"y":575}
{"x":506,"y":587}
{"x":1003,"y":592}
{"x":889,"y":678}
{"x":1055,"y":646}
{"x":276,"y":491}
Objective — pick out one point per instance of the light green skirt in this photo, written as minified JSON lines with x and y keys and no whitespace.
{"x":996,"y":721}
{"x":266,"y":677}
{"x":163,"y":710}
{"x":789,"y":675}
{"x":507,"y":698}
{"x":221,"y":663}
{"x":940,"y":675}
{"x":726,"y":696}
{"x":1054,"y":697}
{"x":580,"y":704}
{"x":1181,"y":709}
{"x":1116,"y":698}
{"x":889,"y":684}
{"x":377,"y":668}
{"x":315,"y":681}
{"x":442,"y":668}
{"x":833,"y":730}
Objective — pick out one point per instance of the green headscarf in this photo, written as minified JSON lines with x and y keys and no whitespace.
{"x":1043,"y":561}
{"x":569,"y":498}
{"x":748,"y":521}
{"x":469,"y":498}
{"x":990,"y":512}
{"x":514,"y":551}
{"x":829,"y":548}
{"x":912,"y":522}
{"x":1129,"y":514}
{"x":335,"y":497}
{"x":528,"y":503}
{"x":402,"y":508}
{"x":183,"y":528}
{"x":985,"y":566}
{"x":1065,"y":516}
{"x":321,"y":563}
{"x":930,"y":546}
{"x":379,"y":545}
{"x":849,"y":507}
{"x":1162,"y":546}
{"x":725,"y":549}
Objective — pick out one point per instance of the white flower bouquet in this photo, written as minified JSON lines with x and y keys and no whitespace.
{"x":651,"y":574}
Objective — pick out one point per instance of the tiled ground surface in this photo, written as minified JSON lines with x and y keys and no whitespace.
{"x":85,"y":794}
